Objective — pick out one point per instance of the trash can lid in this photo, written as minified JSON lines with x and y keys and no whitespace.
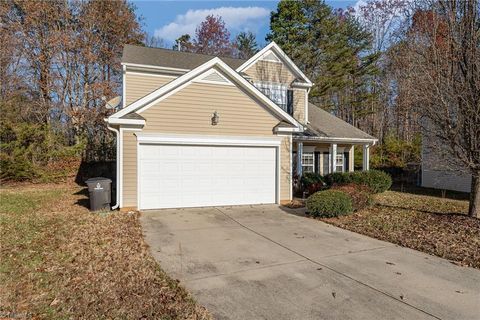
{"x":98,"y":179}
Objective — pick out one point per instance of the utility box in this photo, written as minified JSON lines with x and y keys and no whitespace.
{"x":100,"y":190}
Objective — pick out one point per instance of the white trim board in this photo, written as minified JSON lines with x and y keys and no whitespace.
{"x":212,"y":71}
{"x":279,"y":53}
{"x":337,"y":139}
{"x":161,"y":93}
{"x":207,"y":140}
{"x":120,"y":121}
{"x":148,"y":66}
{"x":150,"y":74}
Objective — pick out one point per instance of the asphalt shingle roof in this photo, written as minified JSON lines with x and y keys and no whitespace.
{"x":133,"y":116}
{"x":171,"y":58}
{"x":325,"y":124}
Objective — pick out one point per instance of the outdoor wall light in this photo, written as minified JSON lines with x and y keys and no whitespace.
{"x":215,"y":118}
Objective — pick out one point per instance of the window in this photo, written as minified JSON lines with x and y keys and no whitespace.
{"x":275,"y":91}
{"x":340,"y":166}
{"x":308,"y":162}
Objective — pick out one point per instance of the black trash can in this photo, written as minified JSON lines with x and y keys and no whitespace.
{"x":99,"y":190}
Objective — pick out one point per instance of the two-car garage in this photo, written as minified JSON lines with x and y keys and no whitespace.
{"x":184,"y":171}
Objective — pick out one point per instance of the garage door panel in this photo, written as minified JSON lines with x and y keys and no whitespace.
{"x":187,"y":176}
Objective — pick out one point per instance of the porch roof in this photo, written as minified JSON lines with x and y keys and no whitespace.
{"x":324,"y":126}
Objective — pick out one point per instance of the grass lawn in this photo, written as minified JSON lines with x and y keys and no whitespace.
{"x":426,"y":223}
{"x":59,"y":261}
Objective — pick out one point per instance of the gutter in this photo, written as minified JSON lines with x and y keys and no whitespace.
{"x":117,"y":178}
{"x":339,"y":139}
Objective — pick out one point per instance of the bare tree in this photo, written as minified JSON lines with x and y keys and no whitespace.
{"x":442,"y":55}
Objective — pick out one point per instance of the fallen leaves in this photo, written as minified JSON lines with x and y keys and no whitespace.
{"x":80,"y":265}
{"x":430,"y":224}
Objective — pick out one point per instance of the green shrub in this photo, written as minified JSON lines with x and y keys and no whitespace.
{"x":329,"y":203}
{"x":29,"y":151}
{"x":312,"y":182}
{"x":378,"y":181}
{"x":360,"y":195}
{"x":338,"y":178}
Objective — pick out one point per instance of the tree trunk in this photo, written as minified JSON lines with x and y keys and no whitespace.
{"x":474,"y":206}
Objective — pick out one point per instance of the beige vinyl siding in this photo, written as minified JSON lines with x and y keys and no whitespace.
{"x":277,"y":72}
{"x":299,"y":105}
{"x":129,"y":169}
{"x":270,"y":71}
{"x":139,"y":85}
{"x":189,"y":111}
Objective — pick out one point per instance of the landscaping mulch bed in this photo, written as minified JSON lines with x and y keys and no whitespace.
{"x":430,"y":224}
{"x":58,"y":260}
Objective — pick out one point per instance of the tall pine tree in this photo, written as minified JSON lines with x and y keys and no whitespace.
{"x":331,"y":48}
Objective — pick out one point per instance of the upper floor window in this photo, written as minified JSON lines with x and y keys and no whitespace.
{"x":278,"y":93}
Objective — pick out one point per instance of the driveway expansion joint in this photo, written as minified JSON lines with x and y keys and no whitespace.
{"x":267,"y":266}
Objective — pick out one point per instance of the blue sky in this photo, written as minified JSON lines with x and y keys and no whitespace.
{"x":170,"y":19}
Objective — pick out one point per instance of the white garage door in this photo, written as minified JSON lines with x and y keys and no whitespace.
{"x":173,"y":176}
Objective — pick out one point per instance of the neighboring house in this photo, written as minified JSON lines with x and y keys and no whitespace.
{"x":197,"y":130}
{"x":440,"y":170}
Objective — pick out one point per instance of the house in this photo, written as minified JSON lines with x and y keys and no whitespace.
{"x":440,"y":170}
{"x":197,"y":130}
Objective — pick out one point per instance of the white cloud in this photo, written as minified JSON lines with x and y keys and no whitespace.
{"x":236,"y":19}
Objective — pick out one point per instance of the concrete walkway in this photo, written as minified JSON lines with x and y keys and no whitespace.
{"x":260,"y":262}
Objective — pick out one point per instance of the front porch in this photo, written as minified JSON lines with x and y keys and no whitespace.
{"x":324,"y":158}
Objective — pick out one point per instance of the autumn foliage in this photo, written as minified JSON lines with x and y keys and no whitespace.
{"x":59,"y":61}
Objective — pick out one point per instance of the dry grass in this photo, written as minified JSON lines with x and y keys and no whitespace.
{"x":430,"y":224}
{"x":59,"y":261}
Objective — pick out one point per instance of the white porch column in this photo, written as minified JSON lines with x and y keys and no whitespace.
{"x":333,"y":157}
{"x":351,"y":164}
{"x":366,"y":157}
{"x":299,"y":158}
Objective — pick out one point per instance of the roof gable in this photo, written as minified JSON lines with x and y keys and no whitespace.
{"x":197,"y":74}
{"x":270,"y":53}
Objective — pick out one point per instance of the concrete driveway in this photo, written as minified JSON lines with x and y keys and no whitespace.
{"x":260,"y":262}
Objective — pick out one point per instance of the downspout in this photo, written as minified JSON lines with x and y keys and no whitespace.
{"x":117,"y":164}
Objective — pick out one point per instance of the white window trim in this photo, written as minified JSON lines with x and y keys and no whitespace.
{"x":308,"y":165}
{"x":342,"y":156}
{"x":275,"y":86}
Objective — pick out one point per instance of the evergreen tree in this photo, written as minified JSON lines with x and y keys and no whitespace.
{"x":246,"y":45}
{"x":183,"y":43}
{"x":330,"y":47}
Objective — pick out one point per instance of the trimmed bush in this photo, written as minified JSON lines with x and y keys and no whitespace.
{"x":360,"y":195}
{"x":312,"y":182}
{"x":338,"y":178}
{"x":329,"y":203}
{"x":378,"y":181}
